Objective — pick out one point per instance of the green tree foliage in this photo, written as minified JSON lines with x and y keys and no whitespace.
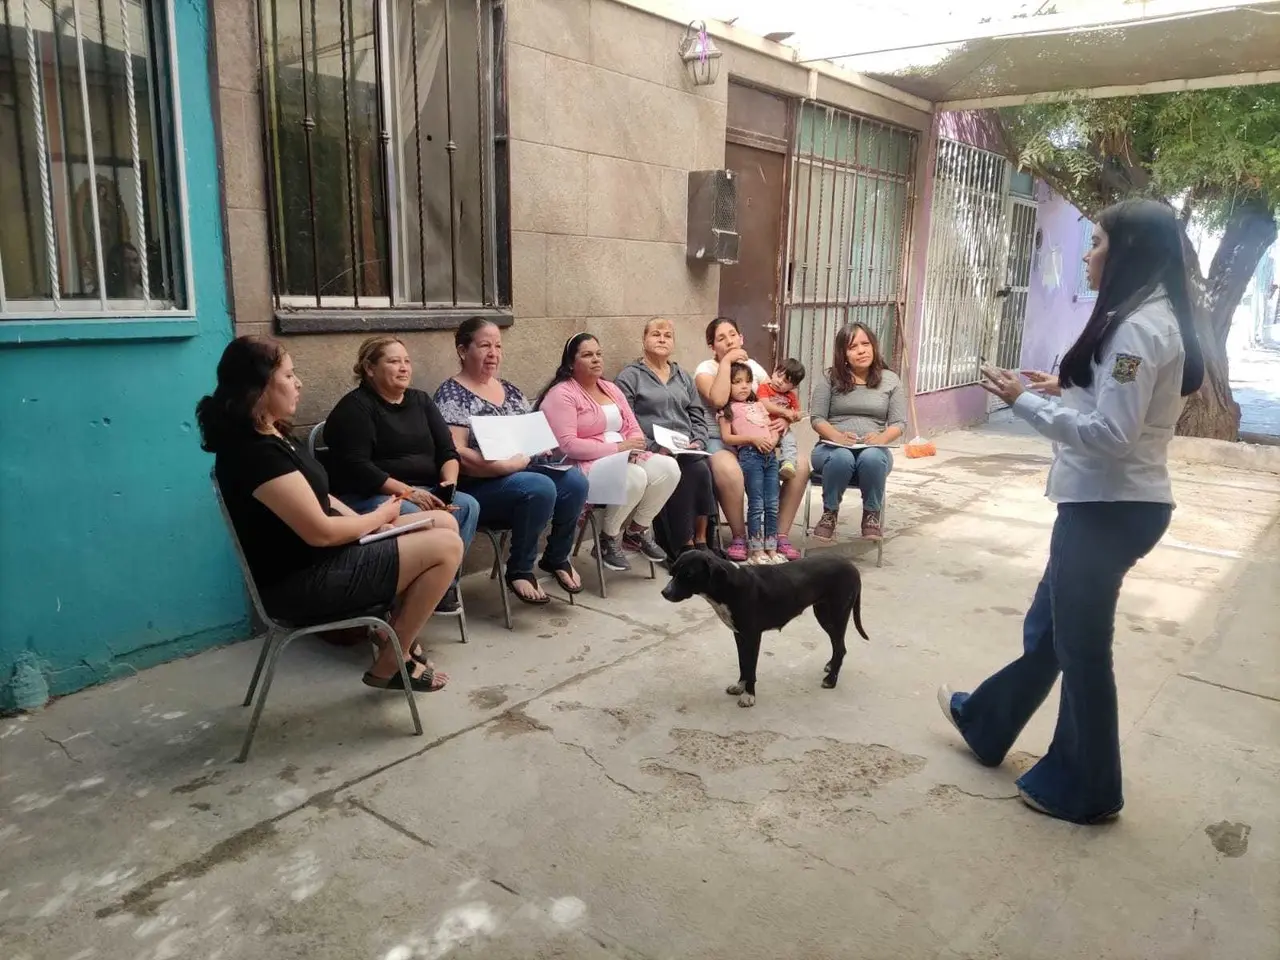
{"x":1215,"y":154}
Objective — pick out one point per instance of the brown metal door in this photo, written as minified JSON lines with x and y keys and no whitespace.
{"x":749,"y":288}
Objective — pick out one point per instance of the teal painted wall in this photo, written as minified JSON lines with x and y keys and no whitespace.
{"x":112,"y":554}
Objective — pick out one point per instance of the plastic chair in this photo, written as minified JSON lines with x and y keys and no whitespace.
{"x":589,"y":519}
{"x":815,"y":480}
{"x":280,"y":634}
{"x":315,"y":441}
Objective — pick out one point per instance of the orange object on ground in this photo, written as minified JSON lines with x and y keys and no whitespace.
{"x":920,"y":447}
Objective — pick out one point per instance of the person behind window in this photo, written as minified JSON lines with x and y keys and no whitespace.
{"x":518,"y":494}
{"x":592,"y":419}
{"x":745,"y":428}
{"x":1110,"y":414}
{"x":859,"y":401}
{"x":300,"y":541}
{"x":662,"y":394}
{"x":387,"y":439}
{"x":712,"y":380}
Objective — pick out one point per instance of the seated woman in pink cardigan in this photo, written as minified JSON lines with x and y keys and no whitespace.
{"x":591,"y":419}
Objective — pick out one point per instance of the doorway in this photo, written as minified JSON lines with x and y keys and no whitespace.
{"x":755,"y":149}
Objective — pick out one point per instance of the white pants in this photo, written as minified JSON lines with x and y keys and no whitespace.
{"x":649,"y":485}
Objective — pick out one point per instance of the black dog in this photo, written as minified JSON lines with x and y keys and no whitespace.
{"x":751,"y":600}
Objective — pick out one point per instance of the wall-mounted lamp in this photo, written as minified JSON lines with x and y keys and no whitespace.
{"x":700,"y":54}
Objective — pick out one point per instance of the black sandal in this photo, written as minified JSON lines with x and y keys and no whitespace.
{"x":419,"y":684}
{"x":511,"y":579}
{"x":560,"y":571}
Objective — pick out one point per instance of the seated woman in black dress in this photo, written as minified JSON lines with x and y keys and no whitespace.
{"x":301,"y":544}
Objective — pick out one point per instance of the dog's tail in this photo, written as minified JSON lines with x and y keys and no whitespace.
{"x":857,"y":613}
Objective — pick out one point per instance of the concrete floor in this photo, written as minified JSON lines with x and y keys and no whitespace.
{"x":586,"y":790}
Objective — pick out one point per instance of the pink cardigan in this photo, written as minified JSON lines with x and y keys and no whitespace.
{"x":578,"y":422}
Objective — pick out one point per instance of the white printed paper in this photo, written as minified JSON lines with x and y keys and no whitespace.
{"x":396,"y":531}
{"x":607,"y":480}
{"x":854,"y":446}
{"x":500,"y":438}
{"x":677,"y":443}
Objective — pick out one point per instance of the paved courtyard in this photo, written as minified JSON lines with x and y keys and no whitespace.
{"x":586,"y":791}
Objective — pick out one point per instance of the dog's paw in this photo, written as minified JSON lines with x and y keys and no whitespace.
{"x":734,"y":689}
{"x":747,"y":700}
{"x":829,"y":681}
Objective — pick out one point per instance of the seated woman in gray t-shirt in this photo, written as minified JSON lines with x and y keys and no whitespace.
{"x":857,"y":402}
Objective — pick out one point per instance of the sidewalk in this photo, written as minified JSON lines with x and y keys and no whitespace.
{"x":586,"y":791}
{"x":1255,"y":383}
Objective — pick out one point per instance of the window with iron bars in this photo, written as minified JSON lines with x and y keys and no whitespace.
{"x":386,"y":131}
{"x":90,"y":211}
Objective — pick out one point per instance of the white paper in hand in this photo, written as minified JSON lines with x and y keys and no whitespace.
{"x":502,"y":437}
{"x":676,"y":442}
{"x":607,"y":481}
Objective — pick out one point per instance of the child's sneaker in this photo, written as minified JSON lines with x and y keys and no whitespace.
{"x":786,"y":550}
{"x":737,"y":551}
{"x":787,"y":470}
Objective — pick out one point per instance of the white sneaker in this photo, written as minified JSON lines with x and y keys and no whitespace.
{"x":944,"y":701}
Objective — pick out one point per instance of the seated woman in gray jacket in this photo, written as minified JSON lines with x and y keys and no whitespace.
{"x":857,"y":402}
{"x":662,"y":394}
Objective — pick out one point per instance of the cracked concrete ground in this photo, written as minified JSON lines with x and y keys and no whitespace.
{"x":586,"y":790}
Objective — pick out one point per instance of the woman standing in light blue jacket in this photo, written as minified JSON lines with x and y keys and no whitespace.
{"x":1111,"y":417}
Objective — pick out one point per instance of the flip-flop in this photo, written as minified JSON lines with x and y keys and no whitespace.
{"x":511,"y":579}
{"x":419,"y":684}
{"x":560,"y":572}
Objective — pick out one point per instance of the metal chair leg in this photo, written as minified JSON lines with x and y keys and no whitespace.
{"x":499,"y":542}
{"x":277,"y":648}
{"x":257,"y":671}
{"x":462,"y":614}
{"x":595,"y":539}
{"x":394,"y":639}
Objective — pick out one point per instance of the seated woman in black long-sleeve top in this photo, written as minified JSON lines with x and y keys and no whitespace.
{"x":387,"y":439}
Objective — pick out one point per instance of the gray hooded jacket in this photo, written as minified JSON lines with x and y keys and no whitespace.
{"x":674,"y":404}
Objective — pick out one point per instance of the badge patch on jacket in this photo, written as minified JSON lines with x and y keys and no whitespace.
{"x":1126,"y":368}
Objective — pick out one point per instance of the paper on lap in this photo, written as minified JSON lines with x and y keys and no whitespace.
{"x":500,"y":438}
{"x":854,"y":446}
{"x":677,"y":443}
{"x":396,"y":531}
{"x":607,"y":481}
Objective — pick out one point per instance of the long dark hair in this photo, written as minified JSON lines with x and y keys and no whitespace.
{"x":734,"y":369}
{"x":226,"y":415}
{"x":1144,"y":254}
{"x":841,"y":372}
{"x":567,"y":357}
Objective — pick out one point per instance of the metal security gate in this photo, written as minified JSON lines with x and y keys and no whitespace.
{"x":851,"y":204}
{"x":967,"y":264}
{"x":1017,"y":283}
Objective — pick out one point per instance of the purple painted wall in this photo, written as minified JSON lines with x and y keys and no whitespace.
{"x":1055,"y":313}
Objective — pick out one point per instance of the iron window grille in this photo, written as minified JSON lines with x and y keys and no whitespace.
{"x":852,"y":200}
{"x":91,"y":200}
{"x":386,"y":153}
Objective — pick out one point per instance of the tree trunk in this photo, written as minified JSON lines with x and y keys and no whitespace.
{"x":1211,"y":411}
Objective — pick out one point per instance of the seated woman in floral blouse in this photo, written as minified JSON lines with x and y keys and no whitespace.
{"x":516,"y":493}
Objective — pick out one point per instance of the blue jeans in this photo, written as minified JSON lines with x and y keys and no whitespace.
{"x":840,"y":469}
{"x":760,"y":472}
{"x":1069,"y":629}
{"x":524,"y":503}
{"x":467,"y":514}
